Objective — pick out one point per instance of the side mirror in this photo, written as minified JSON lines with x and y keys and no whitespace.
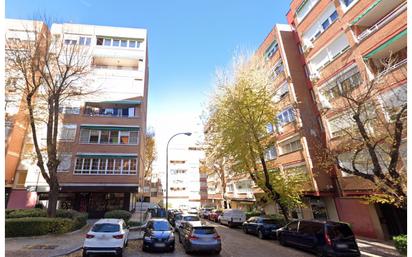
{"x":128,"y":227}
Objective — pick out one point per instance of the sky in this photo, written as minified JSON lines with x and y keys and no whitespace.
{"x":187,"y":41}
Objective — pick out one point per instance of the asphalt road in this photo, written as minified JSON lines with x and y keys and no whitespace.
{"x":234,"y":244}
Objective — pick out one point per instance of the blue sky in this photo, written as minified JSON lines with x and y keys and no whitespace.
{"x":188,"y":40}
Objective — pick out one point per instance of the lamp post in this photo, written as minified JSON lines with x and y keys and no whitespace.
{"x":167,"y":165}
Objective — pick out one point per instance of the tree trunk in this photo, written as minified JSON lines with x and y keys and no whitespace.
{"x":284,"y":210}
{"x":53,"y":197}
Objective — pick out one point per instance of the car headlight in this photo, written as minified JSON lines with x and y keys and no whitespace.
{"x":147,"y":238}
{"x":171,"y":237}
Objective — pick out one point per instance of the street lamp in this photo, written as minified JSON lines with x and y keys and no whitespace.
{"x":167,"y":165}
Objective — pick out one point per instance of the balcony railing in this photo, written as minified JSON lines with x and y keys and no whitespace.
{"x":393,"y":67}
{"x":382,"y":22}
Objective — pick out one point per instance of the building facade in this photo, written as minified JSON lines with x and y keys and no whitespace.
{"x":101,"y":134}
{"x":186,"y":181}
{"x":346,"y":44}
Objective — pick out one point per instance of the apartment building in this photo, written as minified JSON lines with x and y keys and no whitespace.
{"x":345,"y":44}
{"x":16,"y":119}
{"x":186,"y":183}
{"x":239,"y":192}
{"x":101,"y":135}
{"x":298,"y":132}
{"x":215,"y":192}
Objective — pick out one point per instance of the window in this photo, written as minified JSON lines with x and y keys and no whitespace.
{"x":107,"y":42}
{"x":104,"y":136}
{"x":133,"y":138}
{"x":65,"y":162}
{"x":68,"y":132}
{"x":286,"y":116}
{"x":123,"y":43}
{"x":230,"y":188}
{"x":277,"y":69}
{"x":329,"y":53}
{"x":79,"y":165}
{"x":114,"y":137}
{"x":338,"y":125}
{"x":99,"y":41}
{"x":293,"y":226}
{"x":70,"y":42}
{"x":392,"y":101}
{"x":271,"y":50}
{"x":94,"y":136}
{"x":363,"y":162}
{"x":86,"y":166}
{"x":342,"y":84}
{"x":117,"y":166}
{"x":102,"y":166}
{"x":270,"y":153}
{"x":290,"y":145}
{"x":126,"y":166}
{"x":69,"y":110}
{"x":124,"y":137}
{"x":116,"y":42}
{"x":106,"y":166}
{"x":304,"y":8}
{"x":110,"y":166}
{"x":347,"y":4}
{"x":132,"y":43}
{"x":95,"y":166}
{"x":281,"y":92}
{"x":269,"y":128}
{"x":85,"y":41}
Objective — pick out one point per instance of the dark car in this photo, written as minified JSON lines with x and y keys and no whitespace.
{"x":325,"y":238}
{"x":214,"y":215}
{"x":172,"y":216}
{"x":197,"y":237}
{"x":158,"y":235}
{"x":261,"y":226}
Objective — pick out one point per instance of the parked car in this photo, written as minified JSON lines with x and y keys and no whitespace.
{"x":185,"y":218}
{"x":204,"y":212}
{"x":261,"y":226}
{"x":232,"y":217}
{"x":106,"y":236}
{"x":193,"y":210}
{"x":158,"y":235}
{"x":325,"y":238}
{"x":214,"y":215}
{"x":196,"y":237}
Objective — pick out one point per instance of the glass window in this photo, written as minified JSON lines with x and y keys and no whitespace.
{"x":138,"y":44}
{"x":133,"y":137}
{"x":79,"y":165}
{"x":126,"y":166}
{"x":132,"y":43}
{"x":86,"y":165}
{"x":95,"y":166}
{"x":65,"y":162}
{"x":116,"y":42}
{"x":133,"y":165}
{"x":286,"y":116}
{"x":269,"y":128}
{"x":124,"y":137}
{"x":347,"y":2}
{"x":204,"y":231}
{"x":325,"y":24}
{"x":161,"y":226}
{"x":102,"y":166}
{"x":339,"y":231}
{"x":334,"y":16}
{"x":270,"y":153}
{"x":117,"y":166}
{"x":99,"y":41}
{"x":68,"y":132}
{"x":107,"y":41}
{"x":114,"y":137}
{"x":123,"y":43}
{"x":110,"y":166}
{"x":293,"y":226}
{"x":104,"y":136}
{"x":85,"y":41}
{"x":106,"y":227}
{"x":94,"y":136}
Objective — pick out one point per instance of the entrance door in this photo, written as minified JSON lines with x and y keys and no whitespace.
{"x":393,"y":219}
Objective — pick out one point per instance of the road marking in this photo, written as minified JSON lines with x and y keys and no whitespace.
{"x":370,"y":254}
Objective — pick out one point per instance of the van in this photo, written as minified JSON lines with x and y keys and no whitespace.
{"x":232,"y":217}
{"x":325,"y":238}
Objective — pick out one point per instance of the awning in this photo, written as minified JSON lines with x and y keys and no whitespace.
{"x":386,"y":44}
{"x":97,"y":188}
{"x":360,"y":16}
{"x":105,"y":155}
{"x":110,"y":127}
{"x":121,"y":102}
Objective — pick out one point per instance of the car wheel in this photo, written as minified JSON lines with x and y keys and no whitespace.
{"x":245,"y":230}
{"x":85,"y":254}
{"x":260,"y":234}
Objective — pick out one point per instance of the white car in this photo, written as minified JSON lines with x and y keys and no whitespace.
{"x":106,"y":236}
{"x":232,"y":217}
{"x":185,"y":218}
{"x":193,"y":210}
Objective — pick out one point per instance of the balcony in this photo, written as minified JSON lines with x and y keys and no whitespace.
{"x":377,"y":16}
{"x":121,"y":109}
{"x":104,"y":70}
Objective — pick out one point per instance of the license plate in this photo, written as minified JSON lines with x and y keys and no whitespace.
{"x":159,"y":245}
{"x":341,"y":246}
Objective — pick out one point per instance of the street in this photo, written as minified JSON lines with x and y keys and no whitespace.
{"x":234,"y":244}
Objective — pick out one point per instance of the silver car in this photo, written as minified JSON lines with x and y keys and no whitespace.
{"x":197,"y":237}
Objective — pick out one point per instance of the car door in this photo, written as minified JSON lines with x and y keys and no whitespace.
{"x":254,"y":225}
{"x":306,"y":234}
{"x":126,"y":232}
{"x":289,"y":234}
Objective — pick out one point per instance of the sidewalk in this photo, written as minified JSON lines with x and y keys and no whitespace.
{"x":376,"y":248}
{"x":53,"y":245}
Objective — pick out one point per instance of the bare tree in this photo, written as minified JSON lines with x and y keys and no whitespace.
{"x":370,"y":132}
{"x":150,"y":153}
{"x":52,"y":71}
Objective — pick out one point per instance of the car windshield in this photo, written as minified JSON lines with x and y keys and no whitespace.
{"x":178,"y":217}
{"x":204,"y":231}
{"x":339,"y":231}
{"x":106,"y":227}
{"x":269,"y":221}
{"x":191,"y":218}
{"x":161,"y":226}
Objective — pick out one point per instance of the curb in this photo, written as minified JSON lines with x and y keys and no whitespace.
{"x":69,"y":252}
{"x":44,"y":236}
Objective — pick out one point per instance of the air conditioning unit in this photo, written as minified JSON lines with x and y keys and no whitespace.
{"x":324,"y":103}
{"x":315,"y":76}
{"x":307,"y":45}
